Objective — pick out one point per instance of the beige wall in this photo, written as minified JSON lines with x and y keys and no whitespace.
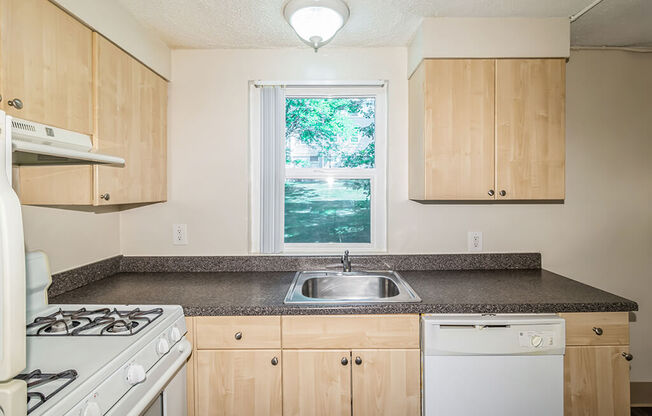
{"x":72,"y":238}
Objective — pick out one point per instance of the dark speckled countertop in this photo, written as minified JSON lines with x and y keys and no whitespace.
{"x":262,"y":293}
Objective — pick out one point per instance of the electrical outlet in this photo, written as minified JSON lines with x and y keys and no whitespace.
{"x":474,"y":241}
{"x":179,"y":234}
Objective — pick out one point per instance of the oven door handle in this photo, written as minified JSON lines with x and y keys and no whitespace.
{"x":160,"y":384}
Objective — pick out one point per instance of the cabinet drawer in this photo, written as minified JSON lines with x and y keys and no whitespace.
{"x":238,"y":332}
{"x":597,"y":328}
{"x":351,"y":331}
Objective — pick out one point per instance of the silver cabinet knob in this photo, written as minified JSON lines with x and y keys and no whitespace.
{"x":0,"y":97}
{"x":597,"y":330}
{"x":105,"y":196}
{"x":503,"y":193}
{"x":358,"y":360}
{"x":16,"y":103}
{"x":491,"y":192}
{"x":345,"y":361}
{"x":238,"y":335}
{"x":628,"y":356}
{"x":274,"y":361}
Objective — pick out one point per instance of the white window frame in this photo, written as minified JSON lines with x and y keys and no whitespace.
{"x":377,"y":175}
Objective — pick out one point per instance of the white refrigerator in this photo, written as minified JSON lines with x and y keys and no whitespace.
{"x":13,"y":393}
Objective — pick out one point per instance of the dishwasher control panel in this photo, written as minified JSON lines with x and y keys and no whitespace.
{"x":536,"y":339}
{"x":500,"y":334}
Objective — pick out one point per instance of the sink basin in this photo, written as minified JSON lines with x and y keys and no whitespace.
{"x":349,"y":287}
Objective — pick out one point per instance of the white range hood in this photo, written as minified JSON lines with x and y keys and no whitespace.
{"x":37,"y":144}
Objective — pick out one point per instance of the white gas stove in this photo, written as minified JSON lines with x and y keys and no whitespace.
{"x":87,"y":360}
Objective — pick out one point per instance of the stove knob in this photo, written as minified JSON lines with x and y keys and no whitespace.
{"x":91,"y":409}
{"x":536,"y":341}
{"x":135,"y":374}
{"x":175,"y":334}
{"x":163,"y":346}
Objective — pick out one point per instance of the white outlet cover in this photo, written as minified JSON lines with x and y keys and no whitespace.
{"x":474,"y":241}
{"x":179,"y":234}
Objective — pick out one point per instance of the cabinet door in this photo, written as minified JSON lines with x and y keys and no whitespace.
{"x":238,"y":382}
{"x":386,"y":382}
{"x":45,"y":62}
{"x":596,"y":381}
{"x":316,"y":382}
{"x":530,"y":128}
{"x":130,"y":121}
{"x":459,"y":134}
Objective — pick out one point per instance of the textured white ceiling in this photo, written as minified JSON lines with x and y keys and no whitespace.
{"x":260,"y":23}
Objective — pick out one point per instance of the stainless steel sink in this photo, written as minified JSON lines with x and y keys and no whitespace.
{"x":349,"y":287}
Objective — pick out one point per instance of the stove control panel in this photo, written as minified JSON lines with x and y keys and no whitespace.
{"x":133,"y":374}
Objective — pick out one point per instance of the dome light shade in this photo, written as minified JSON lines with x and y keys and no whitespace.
{"x":316,"y":21}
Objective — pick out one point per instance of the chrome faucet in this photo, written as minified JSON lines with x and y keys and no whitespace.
{"x":346,"y":262}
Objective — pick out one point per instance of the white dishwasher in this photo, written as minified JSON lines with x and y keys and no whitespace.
{"x":493,"y":365}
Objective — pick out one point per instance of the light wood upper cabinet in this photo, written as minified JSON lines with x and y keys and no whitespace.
{"x":316,"y":382}
{"x":487,"y":129}
{"x":386,"y":382}
{"x":239,"y":382}
{"x":451,"y":130}
{"x":596,"y":381}
{"x":130,"y":121}
{"x":45,"y":62}
{"x":530,"y":128}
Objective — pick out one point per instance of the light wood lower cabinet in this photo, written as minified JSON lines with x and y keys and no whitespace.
{"x":596,"y":369}
{"x":386,"y":382}
{"x":238,"y":382}
{"x":190,"y":366}
{"x":596,"y":381}
{"x":272,"y":365}
{"x":316,"y":382}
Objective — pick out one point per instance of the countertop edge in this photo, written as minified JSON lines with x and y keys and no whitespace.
{"x":409,"y":309}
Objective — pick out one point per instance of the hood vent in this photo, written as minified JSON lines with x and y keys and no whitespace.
{"x":38,"y":144}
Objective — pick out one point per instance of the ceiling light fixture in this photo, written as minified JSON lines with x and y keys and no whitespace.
{"x":316,"y":21}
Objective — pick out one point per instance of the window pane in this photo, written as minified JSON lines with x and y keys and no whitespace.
{"x":328,"y":211}
{"x":330,"y":132}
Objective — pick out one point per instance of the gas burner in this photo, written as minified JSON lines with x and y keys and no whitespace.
{"x":120,"y":325}
{"x":103,"y":321}
{"x":61,"y":326}
{"x":41,"y":387}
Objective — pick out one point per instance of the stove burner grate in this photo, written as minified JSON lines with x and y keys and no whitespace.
{"x":37,"y":378}
{"x":81,"y":322}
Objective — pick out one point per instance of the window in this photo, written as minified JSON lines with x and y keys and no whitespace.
{"x":332,"y":182}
